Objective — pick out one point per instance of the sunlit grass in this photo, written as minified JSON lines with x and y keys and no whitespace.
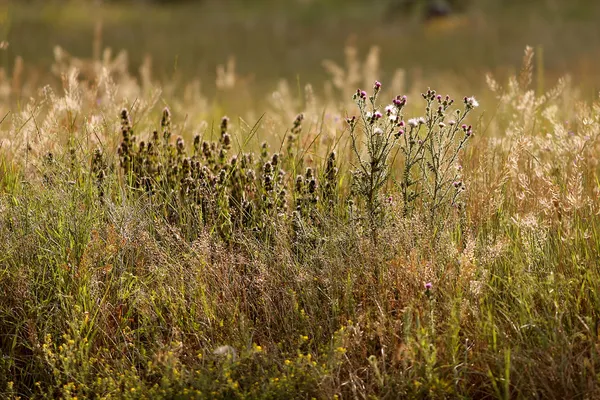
{"x":151,"y":247}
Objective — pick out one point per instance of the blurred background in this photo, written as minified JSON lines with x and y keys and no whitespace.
{"x":267,"y":40}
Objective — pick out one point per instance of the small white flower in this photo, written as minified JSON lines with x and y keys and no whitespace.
{"x":413,"y":122}
{"x":421,"y":120}
{"x":393,"y":118}
{"x":452,"y":122}
{"x":472,"y":102}
{"x":378,"y":131}
{"x":390,"y":110}
{"x":441,"y":124}
{"x":225,"y":350}
{"x":369,"y":115}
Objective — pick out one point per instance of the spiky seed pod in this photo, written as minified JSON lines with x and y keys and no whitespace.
{"x":224,"y":125}
{"x":165,"y":124}
{"x":125,"y":135}
{"x":330,"y":178}
{"x":98,"y":166}
{"x":282,"y":201}
{"x":331,"y":160}
{"x":275,"y":159}
{"x":247,"y":209}
{"x":268,"y":183}
{"x":309,"y":174}
{"x":297,"y":124}
{"x":204,"y":173}
{"x":264,"y":150}
{"x":330,"y":169}
{"x":125,"y":120}
{"x":180,"y":144}
{"x":206,"y":149}
{"x":299,"y":184}
{"x":297,"y":223}
{"x":226,"y":141}
{"x":280,"y":176}
{"x":312,"y":186}
{"x":213,"y":180}
{"x":267,"y":168}
{"x":165,"y":121}
{"x":196,"y":144}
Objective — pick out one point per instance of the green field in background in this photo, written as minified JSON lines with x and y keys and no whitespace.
{"x":272,"y":40}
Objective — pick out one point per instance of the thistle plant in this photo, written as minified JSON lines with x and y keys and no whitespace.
{"x":380,"y":133}
{"x":438,"y":152}
{"x":431,"y":146}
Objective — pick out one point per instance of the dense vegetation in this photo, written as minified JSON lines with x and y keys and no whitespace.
{"x":367,"y":240}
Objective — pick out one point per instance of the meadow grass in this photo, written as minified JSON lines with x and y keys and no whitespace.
{"x":385,"y":242}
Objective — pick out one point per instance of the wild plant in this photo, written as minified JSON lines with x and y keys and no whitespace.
{"x":379,"y":136}
{"x":431,"y":147}
{"x":438,"y":153}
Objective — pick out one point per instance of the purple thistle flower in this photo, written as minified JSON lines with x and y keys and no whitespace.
{"x":428,"y":285}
